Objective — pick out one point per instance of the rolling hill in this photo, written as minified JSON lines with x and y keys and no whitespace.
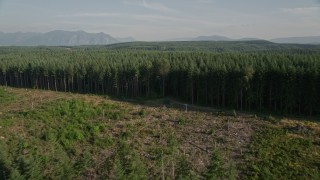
{"x":213,"y":46}
{"x":298,"y":40}
{"x":282,"y":40}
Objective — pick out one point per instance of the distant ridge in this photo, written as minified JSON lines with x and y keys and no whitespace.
{"x":212,"y":46}
{"x":59,"y":38}
{"x":298,"y":40}
{"x":289,"y":40}
{"x":203,"y":38}
{"x":126,"y":39}
{"x":212,"y":38}
{"x":77,"y":38}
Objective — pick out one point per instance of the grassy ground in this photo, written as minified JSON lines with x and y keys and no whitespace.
{"x":53,"y":135}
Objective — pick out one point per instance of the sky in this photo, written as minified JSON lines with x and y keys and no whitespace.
{"x":151,"y":20}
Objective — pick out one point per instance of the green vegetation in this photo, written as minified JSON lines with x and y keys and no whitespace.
{"x":55,"y":135}
{"x":184,"y":170}
{"x":212,"y":46}
{"x":279,"y":80}
{"x":5,"y":97}
{"x":91,"y":137}
{"x":126,"y":164}
{"x":278,"y":154}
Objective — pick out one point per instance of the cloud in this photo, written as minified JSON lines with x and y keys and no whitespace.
{"x":154,"y":18}
{"x":89,"y":15}
{"x":169,"y":19}
{"x":156,"y":6}
{"x":302,"y":10}
{"x":149,"y":5}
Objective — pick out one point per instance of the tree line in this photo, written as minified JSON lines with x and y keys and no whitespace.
{"x":283,"y":82}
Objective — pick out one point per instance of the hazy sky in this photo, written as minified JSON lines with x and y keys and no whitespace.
{"x":165,"y":19}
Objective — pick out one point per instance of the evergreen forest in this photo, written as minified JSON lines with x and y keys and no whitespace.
{"x":269,"y":78}
{"x":118,"y":111}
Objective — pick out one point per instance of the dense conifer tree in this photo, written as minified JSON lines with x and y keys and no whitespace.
{"x":285,"y":82}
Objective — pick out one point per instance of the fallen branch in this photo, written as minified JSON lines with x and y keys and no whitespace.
{"x":198,"y":147}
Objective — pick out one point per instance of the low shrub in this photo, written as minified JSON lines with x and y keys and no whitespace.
{"x":275,"y":155}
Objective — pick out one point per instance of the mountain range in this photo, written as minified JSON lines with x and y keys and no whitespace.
{"x":285,"y":40}
{"x":59,"y":38}
{"x":76,"y":38}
